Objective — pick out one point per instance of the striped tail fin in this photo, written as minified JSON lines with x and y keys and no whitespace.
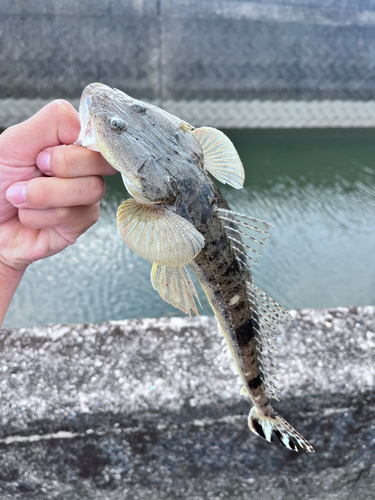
{"x":265,"y":427}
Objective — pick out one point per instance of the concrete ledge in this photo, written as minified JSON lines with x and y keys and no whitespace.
{"x":149,"y":408}
{"x":233,"y":114}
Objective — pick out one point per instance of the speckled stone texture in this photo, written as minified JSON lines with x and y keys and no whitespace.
{"x":145,"y":409}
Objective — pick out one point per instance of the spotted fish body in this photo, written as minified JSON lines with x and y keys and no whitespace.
{"x":177,"y":216}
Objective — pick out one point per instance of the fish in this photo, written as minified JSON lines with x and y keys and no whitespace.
{"x":176,"y":216}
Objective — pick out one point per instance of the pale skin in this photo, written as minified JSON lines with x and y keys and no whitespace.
{"x":50,"y":191}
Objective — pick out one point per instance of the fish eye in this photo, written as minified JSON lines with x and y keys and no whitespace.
{"x":117,"y":124}
{"x":138,"y":107}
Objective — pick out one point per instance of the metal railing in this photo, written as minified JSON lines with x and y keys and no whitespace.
{"x":235,"y":114}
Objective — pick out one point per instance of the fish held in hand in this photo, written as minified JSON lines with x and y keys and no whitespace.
{"x":178,"y":217}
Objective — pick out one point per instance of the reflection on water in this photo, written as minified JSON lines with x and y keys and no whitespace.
{"x":316,"y":187}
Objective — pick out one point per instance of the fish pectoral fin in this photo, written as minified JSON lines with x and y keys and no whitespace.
{"x":158,"y":234}
{"x":175,"y":287}
{"x":220,"y":156}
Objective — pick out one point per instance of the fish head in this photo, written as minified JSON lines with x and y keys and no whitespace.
{"x":138,"y":139}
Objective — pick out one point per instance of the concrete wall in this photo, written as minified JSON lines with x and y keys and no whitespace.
{"x":189,"y":49}
{"x":146,"y":409}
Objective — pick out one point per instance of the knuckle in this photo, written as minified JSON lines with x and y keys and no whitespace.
{"x":23,"y":216}
{"x":37,"y":194}
{"x":88,"y":218}
{"x":64,"y":109}
{"x":61,"y":214}
{"x":95,"y":213}
{"x":30,"y":218}
{"x":97,"y":187}
{"x":60,"y":161}
{"x":92,"y":217}
{"x":61,"y":108}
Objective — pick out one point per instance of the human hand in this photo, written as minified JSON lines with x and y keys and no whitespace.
{"x":45,"y":204}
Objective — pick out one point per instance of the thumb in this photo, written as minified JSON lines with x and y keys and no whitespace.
{"x":55,"y":124}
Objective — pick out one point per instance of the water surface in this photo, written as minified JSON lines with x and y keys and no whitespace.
{"x":316,"y":186}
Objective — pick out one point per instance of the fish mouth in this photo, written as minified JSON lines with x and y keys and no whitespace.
{"x":88,"y":102}
{"x":86,"y":136}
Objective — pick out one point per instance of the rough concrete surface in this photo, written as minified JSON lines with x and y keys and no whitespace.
{"x":145,"y":409}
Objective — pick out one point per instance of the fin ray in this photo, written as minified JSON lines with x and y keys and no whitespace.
{"x":248,"y":235}
{"x":220,"y":156}
{"x":175,"y":287}
{"x":244,"y":220}
{"x":267,"y":426}
{"x":158,"y":234}
{"x":267,"y":315}
{"x":275,"y":312}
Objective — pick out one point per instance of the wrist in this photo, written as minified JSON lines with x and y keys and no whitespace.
{"x":9,"y":274}
{"x":9,"y":280}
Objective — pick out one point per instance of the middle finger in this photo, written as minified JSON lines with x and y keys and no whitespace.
{"x":52,"y":192}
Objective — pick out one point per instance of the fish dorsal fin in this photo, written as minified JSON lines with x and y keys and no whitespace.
{"x":220,"y":156}
{"x":247,"y":235}
{"x":158,"y":234}
{"x":175,"y":287}
{"x":267,"y":314}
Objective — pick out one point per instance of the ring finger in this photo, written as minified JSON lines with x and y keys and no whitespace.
{"x":72,"y":219}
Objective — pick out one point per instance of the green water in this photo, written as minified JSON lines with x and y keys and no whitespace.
{"x":316,"y":186}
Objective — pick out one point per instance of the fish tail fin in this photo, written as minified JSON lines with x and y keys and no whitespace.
{"x":267,"y":426}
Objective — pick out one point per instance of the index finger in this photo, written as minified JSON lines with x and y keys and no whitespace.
{"x":55,"y":124}
{"x":72,"y":161}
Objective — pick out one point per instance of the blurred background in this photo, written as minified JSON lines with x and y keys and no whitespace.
{"x":292,"y":84}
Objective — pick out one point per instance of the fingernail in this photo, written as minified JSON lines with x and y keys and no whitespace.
{"x":16,"y":193}
{"x":43,"y":161}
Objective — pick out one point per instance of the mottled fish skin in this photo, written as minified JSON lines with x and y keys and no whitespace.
{"x":155,"y":142}
{"x":163,"y":164}
{"x":224,"y":281}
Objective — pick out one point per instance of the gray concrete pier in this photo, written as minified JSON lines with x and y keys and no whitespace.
{"x":224,"y":63}
{"x":145,"y":409}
